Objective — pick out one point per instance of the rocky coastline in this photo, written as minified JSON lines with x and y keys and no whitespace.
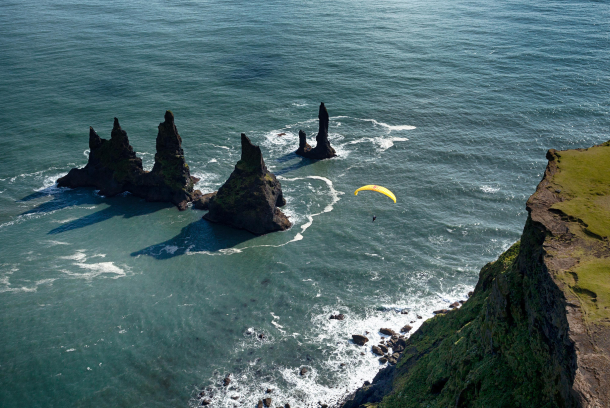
{"x":536,"y":330}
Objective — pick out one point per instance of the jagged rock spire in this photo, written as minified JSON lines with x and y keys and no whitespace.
{"x":251,"y":157}
{"x":323,"y":149}
{"x":114,"y":168}
{"x":250,"y":198}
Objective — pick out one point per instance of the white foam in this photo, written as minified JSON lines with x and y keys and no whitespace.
{"x":298,"y":236}
{"x":93,"y":269}
{"x":489,"y":189}
{"x":390,"y":127}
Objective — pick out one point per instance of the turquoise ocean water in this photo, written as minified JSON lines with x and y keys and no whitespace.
{"x":115,"y":302}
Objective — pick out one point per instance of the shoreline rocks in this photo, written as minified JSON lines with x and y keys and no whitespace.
{"x":323,"y":149}
{"x":114,"y":168}
{"x":251,"y":197}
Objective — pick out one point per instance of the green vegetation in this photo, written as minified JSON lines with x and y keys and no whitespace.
{"x":583,"y":176}
{"x":482,"y":355}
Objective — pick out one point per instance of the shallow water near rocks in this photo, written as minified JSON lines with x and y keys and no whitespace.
{"x":117,"y":302}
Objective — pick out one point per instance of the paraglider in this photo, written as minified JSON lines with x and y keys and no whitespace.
{"x":379,"y":189}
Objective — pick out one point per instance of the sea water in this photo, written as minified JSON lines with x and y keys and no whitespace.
{"x":116,"y":302}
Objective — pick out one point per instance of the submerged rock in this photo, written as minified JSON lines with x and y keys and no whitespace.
{"x":114,"y":168}
{"x":250,"y":198}
{"x":323,"y":149}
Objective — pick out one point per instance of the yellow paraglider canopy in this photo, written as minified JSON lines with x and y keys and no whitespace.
{"x":379,"y":189}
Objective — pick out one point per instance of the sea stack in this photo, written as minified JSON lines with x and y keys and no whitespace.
{"x":323,"y":149}
{"x":170,"y":179}
{"x":251,"y":196}
{"x":114,"y":168}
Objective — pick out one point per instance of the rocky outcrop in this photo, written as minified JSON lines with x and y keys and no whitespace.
{"x":250,"y":198}
{"x":170,"y":179}
{"x":323,"y":149}
{"x":536,"y":330}
{"x":114,"y":168}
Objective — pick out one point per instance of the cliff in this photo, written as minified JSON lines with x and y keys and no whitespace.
{"x":114,"y":168}
{"x":323,"y":149}
{"x":536,"y":331}
{"x":250,"y":198}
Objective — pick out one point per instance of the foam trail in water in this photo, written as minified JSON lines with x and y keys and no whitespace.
{"x":299,"y":235}
{"x":390,"y":127}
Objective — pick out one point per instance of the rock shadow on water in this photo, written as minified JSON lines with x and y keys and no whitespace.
{"x":125,"y":207}
{"x":295,"y":166}
{"x":199,"y":236}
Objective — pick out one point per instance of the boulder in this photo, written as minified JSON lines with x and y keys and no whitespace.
{"x":359,"y":339}
{"x":407,"y":328}
{"x":337,"y":317}
{"x":454,"y":305}
{"x":383,"y":348}
{"x":441,"y":311}
{"x":388,"y":332}
{"x":377,"y":350}
{"x":383,"y":360}
{"x":303,"y":371}
{"x":226,"y":381}
{"x":323,"y":149}
{"x":267,"y":402}
{"x":251,"y":197}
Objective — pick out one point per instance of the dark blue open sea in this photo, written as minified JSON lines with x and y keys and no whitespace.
{"x":116,"y":302}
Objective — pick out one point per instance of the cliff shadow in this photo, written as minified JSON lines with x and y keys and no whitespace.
{"x":198,"y":236}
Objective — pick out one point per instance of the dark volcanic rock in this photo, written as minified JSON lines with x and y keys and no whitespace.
{"x":337,"y":317}
{"x":378,"y":351}
{"x":406,"y":329}
{"x":389,"y":332}
{"x":114,"y":168}
{"x":359,"y":340}
{"x":202,"y":201}
{"x":323,"y":149}
{"x":304,"y":147}
{"x":304,"y":371}
{"x":170,"y":179}
{"x":251,"y":196}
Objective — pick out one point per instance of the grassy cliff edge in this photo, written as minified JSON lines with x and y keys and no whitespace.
{"x":536,"y":332}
